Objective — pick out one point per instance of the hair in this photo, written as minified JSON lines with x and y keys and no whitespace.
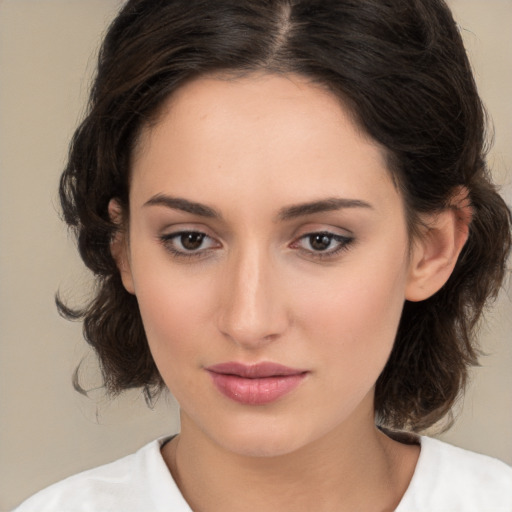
{"x":400,"y":68}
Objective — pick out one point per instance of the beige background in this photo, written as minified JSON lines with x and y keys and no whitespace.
{"x":48,"y":431}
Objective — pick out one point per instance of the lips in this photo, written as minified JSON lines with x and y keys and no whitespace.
{"x":256,"y":384}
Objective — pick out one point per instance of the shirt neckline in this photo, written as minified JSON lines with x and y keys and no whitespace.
{"x":163,"y":490}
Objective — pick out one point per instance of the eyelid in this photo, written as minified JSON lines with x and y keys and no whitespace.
{"x":344,"y":243}
{"x":167,"y":238}
{"x":322,"y":226}
{"x":169,"y":230}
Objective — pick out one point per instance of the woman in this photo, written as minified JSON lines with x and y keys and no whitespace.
{"x":289,"y":213}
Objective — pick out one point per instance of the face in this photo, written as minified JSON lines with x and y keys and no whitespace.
{"x":268,"y":252}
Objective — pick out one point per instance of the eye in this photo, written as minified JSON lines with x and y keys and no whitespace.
{"x":323,"y":244}
{"x":188,"y":243}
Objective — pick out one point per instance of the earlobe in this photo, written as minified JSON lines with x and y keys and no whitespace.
{"x":436,"y":251}
{"x":119,"y":246}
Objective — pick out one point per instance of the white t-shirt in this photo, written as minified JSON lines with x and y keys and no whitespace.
{"x":446,"y":479}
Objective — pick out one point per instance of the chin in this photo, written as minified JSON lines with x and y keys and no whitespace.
{"x":273,"y":439}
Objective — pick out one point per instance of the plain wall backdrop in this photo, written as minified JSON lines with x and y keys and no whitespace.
{"x":48,"y":431}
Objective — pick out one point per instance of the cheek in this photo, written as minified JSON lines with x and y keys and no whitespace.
{"x":174,"y":309}
{"x":351,"y":331}
{"x":354,"y":314}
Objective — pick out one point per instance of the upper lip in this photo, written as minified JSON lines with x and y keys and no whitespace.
{"x":254,"y":371}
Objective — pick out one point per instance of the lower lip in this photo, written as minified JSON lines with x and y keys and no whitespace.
{"x":256,"y":391}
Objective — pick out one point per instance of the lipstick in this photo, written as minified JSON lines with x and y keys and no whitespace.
{"x":256,"y":384}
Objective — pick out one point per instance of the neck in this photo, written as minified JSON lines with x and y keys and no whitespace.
{"x":355,"y":467}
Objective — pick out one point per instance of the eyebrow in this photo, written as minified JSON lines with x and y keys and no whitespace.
{"x":178,"y":203}
{"x":286,"y":213}
{"x":324,"y":205}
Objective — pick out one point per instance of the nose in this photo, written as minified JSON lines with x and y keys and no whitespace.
{"x":253,"y":311}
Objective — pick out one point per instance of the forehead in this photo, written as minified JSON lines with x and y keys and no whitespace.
{"x":260,"y":131}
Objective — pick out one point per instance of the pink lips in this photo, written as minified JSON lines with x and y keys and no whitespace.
{"x":256,"y":384}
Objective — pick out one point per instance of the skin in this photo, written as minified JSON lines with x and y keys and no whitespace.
{"x":256,"y":290}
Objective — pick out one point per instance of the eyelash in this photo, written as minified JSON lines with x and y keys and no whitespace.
{"x":168,"y":242}
{"x":344,"y":243}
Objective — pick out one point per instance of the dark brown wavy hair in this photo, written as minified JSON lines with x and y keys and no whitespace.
{"x":398,"y":65}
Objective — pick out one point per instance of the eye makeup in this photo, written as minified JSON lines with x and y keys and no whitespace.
{"x":189,"y":244}
{"x":323,"y":244}
{"x":194,"y":244}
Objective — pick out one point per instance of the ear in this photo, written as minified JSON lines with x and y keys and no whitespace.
{"x":437,"y":248}
{"x":119,"y":245}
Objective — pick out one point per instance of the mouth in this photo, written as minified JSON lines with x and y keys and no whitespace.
{"x":256,"y":384}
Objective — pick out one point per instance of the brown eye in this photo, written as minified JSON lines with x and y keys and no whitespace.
{"x":320,"y":241}
{"x":322,"y":244}
{"x":189,"y":244}
{"x":191,"y":241}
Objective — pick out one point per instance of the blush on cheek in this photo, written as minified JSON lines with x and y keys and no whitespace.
{"x":175,"y":316}
{"x":357,"y":316}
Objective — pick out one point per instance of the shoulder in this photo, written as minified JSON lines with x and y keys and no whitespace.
{"x":453,"y":479}
{"x":133,"y":483}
